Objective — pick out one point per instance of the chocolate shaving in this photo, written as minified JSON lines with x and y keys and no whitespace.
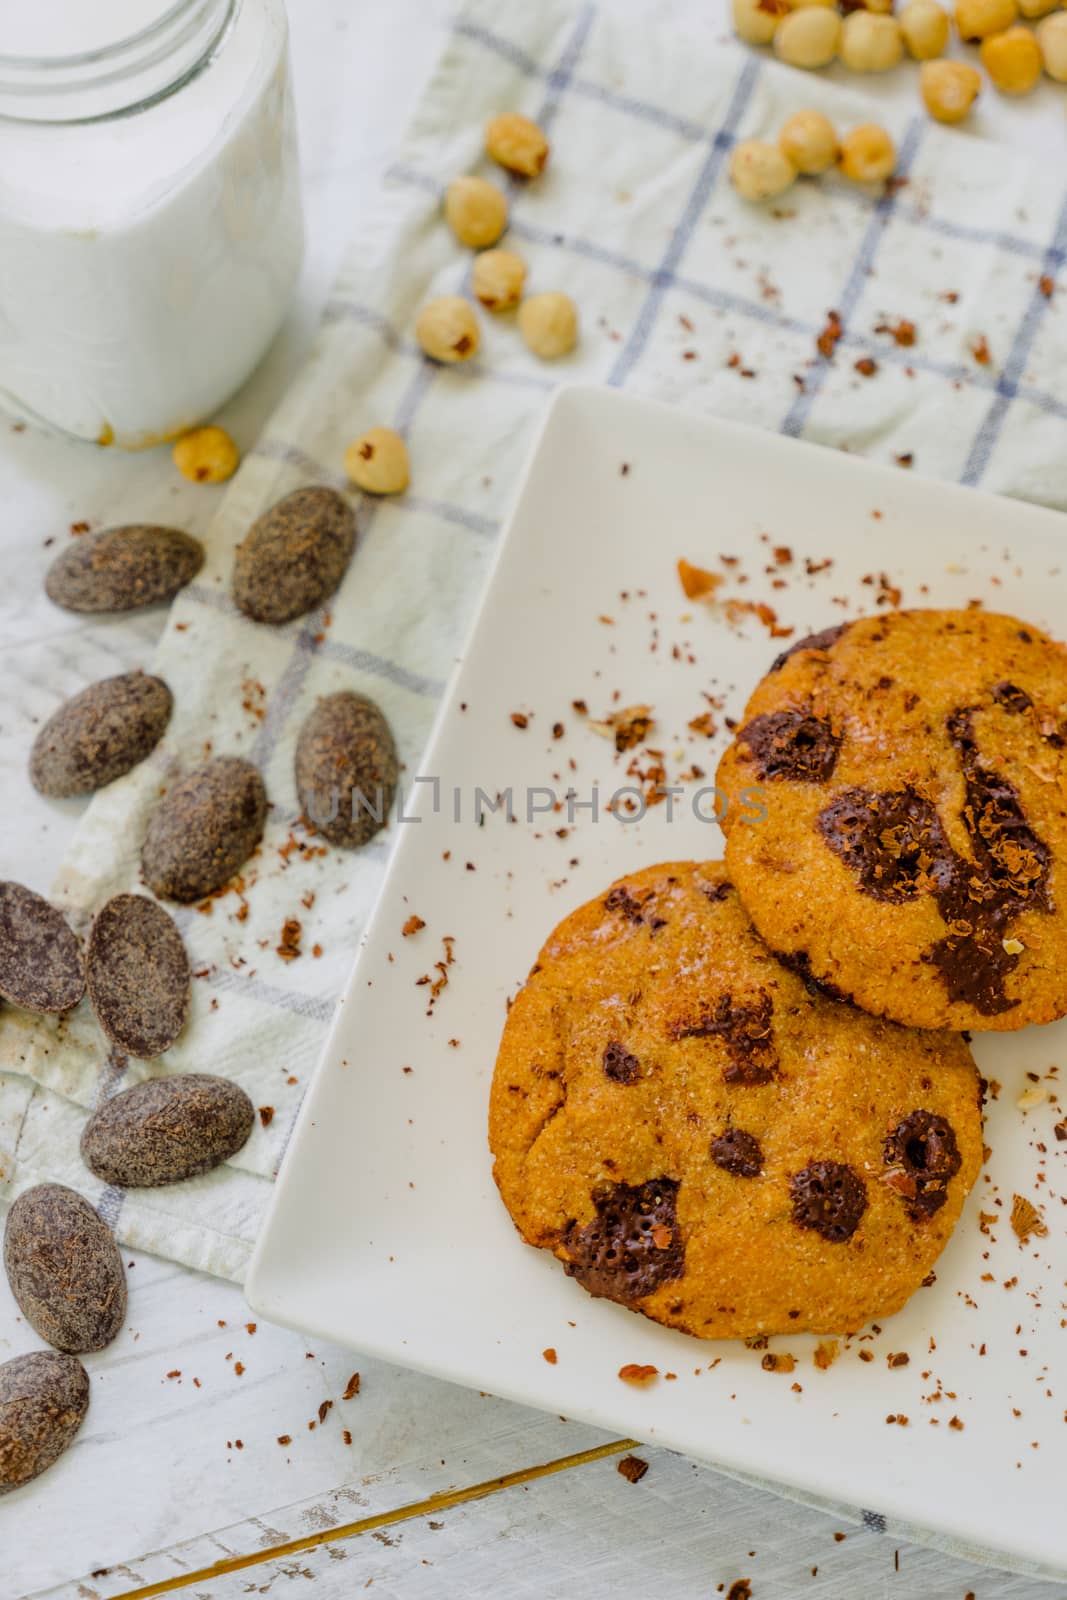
{"x":747,"y":1032}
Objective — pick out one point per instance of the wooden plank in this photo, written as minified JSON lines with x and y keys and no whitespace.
{"x":586,"y":1533}
{"x":158,"y":1465}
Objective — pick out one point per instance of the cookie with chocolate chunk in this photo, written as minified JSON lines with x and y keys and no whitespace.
{"x":913,"y":854}
{"x":700,"y":1136}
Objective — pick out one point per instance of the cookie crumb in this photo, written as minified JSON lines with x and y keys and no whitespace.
{"x":903,"y":332}
{"x":1026,"y":1219}
{"x":828,"y":338}
{"x":697,"y":581}
{"x":632,"y":1372}
{"x":289,"y":945}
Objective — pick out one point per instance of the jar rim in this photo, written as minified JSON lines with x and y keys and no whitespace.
{"x":121,"y":78}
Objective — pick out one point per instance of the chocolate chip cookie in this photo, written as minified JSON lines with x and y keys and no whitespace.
{"x":700,"y":1137}
{"x":913,"y":854}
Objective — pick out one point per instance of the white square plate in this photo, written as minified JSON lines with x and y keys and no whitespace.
{"x":385,"y":1230}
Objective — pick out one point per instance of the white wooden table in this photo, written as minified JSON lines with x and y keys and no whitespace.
{"x":439,"y":1492}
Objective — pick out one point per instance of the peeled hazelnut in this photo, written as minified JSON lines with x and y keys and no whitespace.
{"x":517,"y":144}
{"x":924,"y":24}
{"x":808,"y":38}
{"x":870,"y":43}
{"x":977,"y":19}
{"x":549,"y":324}
{"x":377,"y":462}
{"x":447,"y":329}
{"x":497,"y":279}
{"x":756,"y":21}
{"x":1052,"y":39}
{"x":760,"y":171}
{"x":476,"y":211}
{"x":949,"y":88}
{"x":206,"y":455}
{"x":868,"y":154}
{"x":1012,"y":60}
{"x":808,"y":141}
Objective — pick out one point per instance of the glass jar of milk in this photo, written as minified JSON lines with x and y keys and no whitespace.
{"x":150,"y":221}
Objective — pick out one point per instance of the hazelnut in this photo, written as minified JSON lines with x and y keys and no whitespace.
{"x":1036,"y":8}
{"x":977,"y":19}
{"x":1012,"y":60}
{"x":1052,"y":40}
{"x":760,"y":171}
{"x":949,"y":88}
{"x":476,"y":211}
{"x":447,"y":329}
{"x":497,"y":279}
{"x":867,"y":154}
{"x":808,"y":141}
{"x":517,"y":144}
{"x":870,"y":43}
{"x":377,"y":462}
{"x":549,"y":324}
{"x":756,"y":21}
{"x":808,"y":38}
{"x":924,"y":24}
{"x":206,"y":455}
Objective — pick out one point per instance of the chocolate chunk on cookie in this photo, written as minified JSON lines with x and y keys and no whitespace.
{"x":830,"y":1198}
{"x":619,"y":1065}
{"x":791,"y":744}
{"x":632,"y":1246}
{"x":923,"y":1149}
{"x":746,"y":1029}
{"x":738,"y":1152}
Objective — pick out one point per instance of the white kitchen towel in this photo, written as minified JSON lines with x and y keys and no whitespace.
{"x":951,"y":360}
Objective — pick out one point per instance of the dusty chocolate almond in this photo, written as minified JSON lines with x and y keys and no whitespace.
{"x":346,"y":769}
{"x":64,"y":1268}
{"x":137,"y":974}
{"x":122,"y":569}
{"x":166,"y":1129}
{"x":203,"y":829}
{"x":43,"y":1401}
{"x":294,"y":557}
{"x":40,"y":962}
{"x":99,"y":734}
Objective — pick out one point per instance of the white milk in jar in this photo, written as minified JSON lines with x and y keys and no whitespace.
{"x":150,"y":220}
